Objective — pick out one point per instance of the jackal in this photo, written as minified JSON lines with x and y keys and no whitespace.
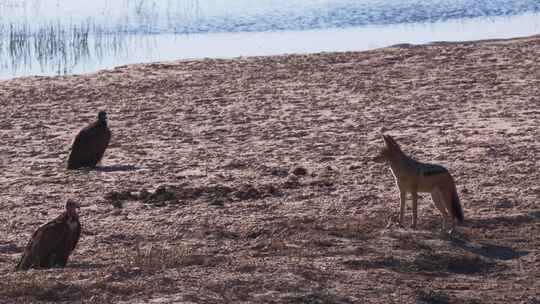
{"x":414,"y":177}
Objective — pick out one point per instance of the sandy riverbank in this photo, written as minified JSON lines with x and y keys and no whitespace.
{"x":231,"y":222}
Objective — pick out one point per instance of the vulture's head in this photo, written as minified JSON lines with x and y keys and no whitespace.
{"x":72,"y":208}
{"x":102,"y":116}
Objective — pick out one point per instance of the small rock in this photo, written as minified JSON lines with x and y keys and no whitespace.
{"x":299,"y":171}
{"x":217,"y":202}
{"x":291,"y":183}
{"x":117,"y":204}
{"x":9,"y":248}
{"x":279,"y":172}
{"x":504,"y":203}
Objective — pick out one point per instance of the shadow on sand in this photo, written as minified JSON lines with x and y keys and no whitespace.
{"x":84,"y":265}
{"x":499,"y":221}
{"x":116,"y":168}
{"x":9,"y":248}
{"x":490,"y":251}
{"x":493,"y":251}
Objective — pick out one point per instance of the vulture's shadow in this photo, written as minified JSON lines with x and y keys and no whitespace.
{"x":116,"y":168}
{"x":84,"y":265}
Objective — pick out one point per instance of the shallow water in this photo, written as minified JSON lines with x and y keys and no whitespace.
{"x":72,"y":38}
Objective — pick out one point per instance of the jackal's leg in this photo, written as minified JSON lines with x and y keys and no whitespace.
{"x":403,"y":201}
{"x":438,"y":199}
{"x":447,"y":200}
{"x":414,"y":209}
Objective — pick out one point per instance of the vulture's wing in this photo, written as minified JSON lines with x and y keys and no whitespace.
{"x":75,"y":240}
{"x":102,"y":142}
{"x":61,"y":253}
{"x":86,"y":135}
{"x":89,"y":132}
{"x":81,"y":145}
{"x":107,"y":137}
{"x":75,"y":153}
{"x":43,"y":241}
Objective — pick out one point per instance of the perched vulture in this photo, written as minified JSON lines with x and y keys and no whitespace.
{"x":53,"y":242}
{"x":90,"y":144}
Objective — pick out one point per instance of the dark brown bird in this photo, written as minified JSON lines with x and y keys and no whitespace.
{"x":53,"y":242}
{"x":90,"y":144}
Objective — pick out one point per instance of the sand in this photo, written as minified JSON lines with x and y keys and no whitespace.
{"x":196,"y":199}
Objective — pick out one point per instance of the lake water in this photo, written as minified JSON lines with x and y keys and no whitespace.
{"x":54,"y":37}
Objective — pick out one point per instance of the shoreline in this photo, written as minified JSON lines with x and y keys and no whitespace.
{"x":233,"y":45}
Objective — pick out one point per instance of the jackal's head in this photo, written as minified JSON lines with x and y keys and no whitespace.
{"x":390,"y":149}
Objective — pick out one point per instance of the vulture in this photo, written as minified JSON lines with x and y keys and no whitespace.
{"x":53,"y":242}
{"x":90,"y":144}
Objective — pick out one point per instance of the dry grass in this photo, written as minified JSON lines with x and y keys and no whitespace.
{"x":153,"y":259}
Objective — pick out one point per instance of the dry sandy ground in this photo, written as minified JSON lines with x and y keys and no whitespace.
{"x":196,"y":199}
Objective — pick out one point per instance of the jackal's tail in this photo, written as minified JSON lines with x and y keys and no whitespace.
{"x":457,"y":211}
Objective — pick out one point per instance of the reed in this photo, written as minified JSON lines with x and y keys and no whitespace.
{"x":60,"y":44}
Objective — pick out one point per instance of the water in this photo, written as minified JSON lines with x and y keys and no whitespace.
{"x":73,"y":37}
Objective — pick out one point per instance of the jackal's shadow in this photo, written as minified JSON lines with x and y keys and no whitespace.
{"x":494,"y":251}
{"x":491,"y":251}
{"x":498,"y":221}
